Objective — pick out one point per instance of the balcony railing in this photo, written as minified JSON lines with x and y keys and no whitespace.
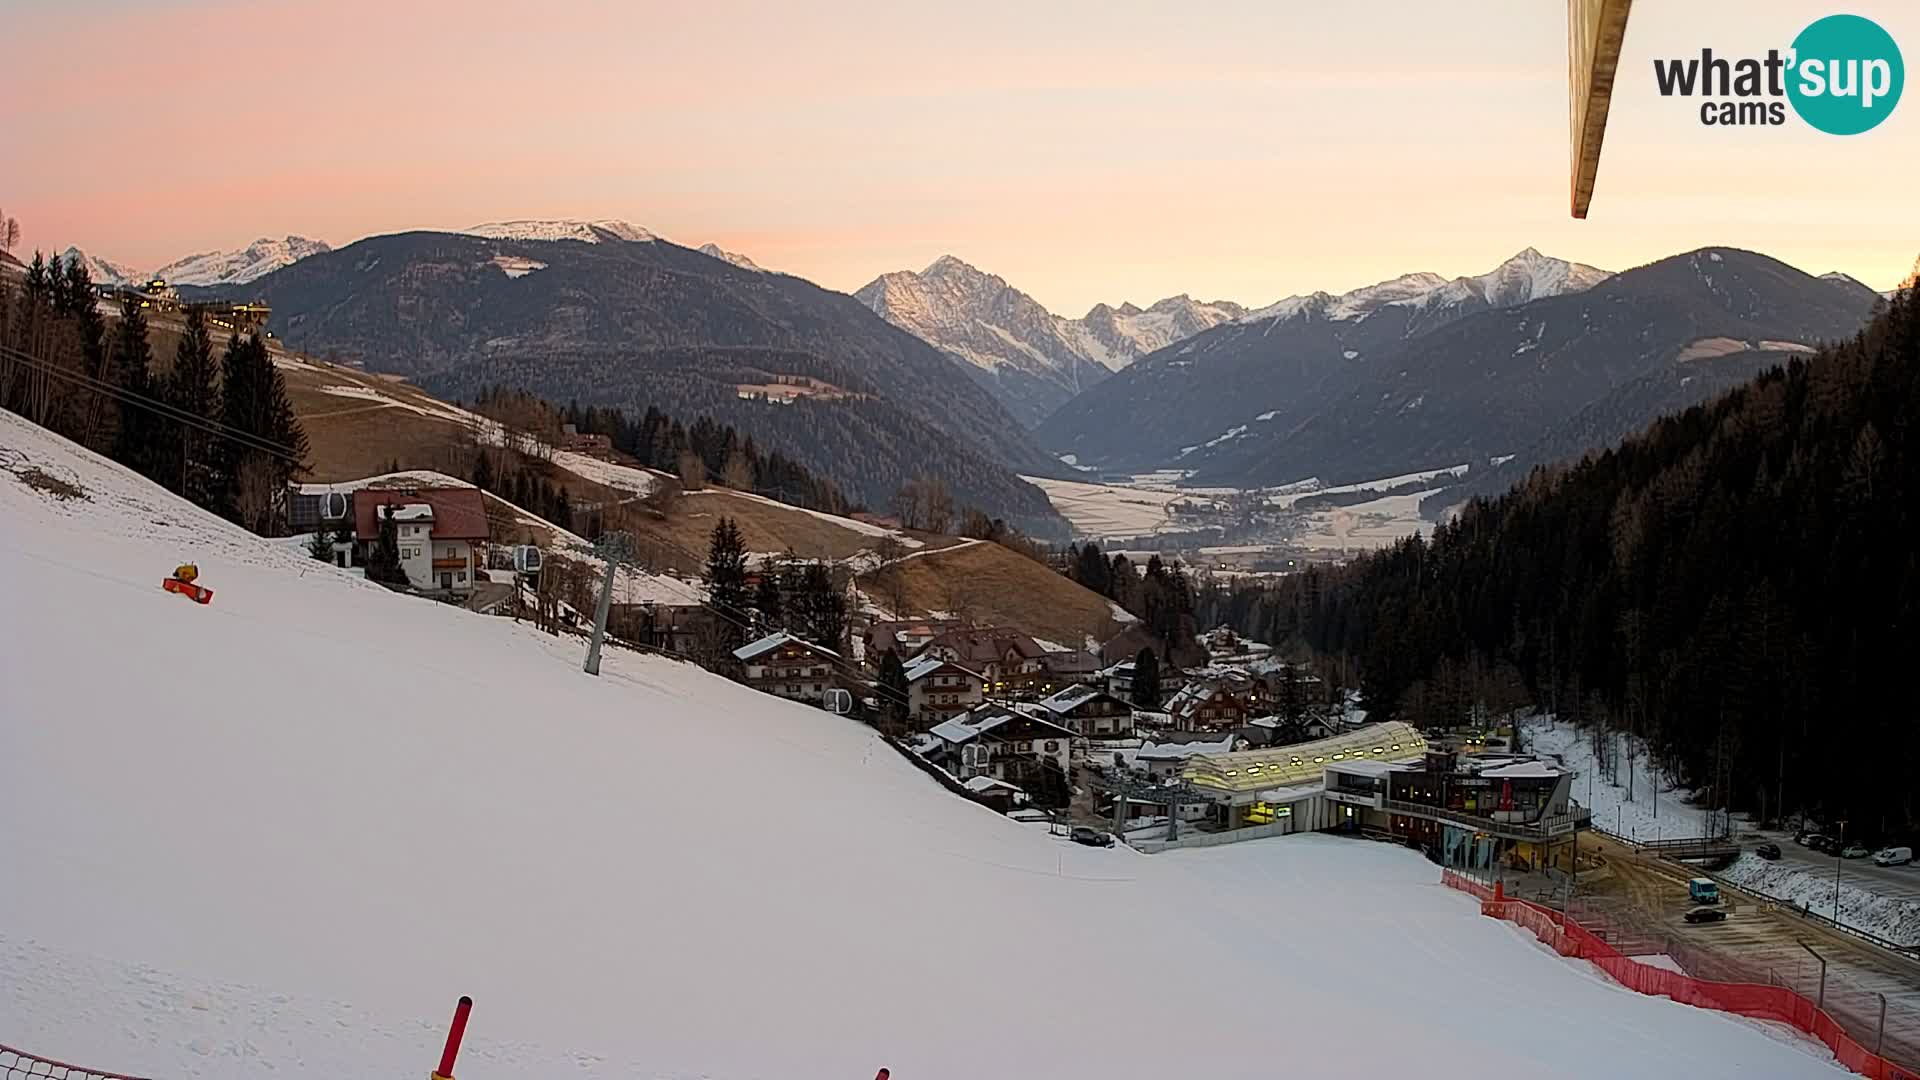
{"x":1545,"y":829}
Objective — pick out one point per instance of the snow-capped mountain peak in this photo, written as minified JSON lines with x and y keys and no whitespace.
{"x":1531,"y":275}
{"x":258,"y":259}
{"x":589,"y":232}
{"x":101,"y":270}
{"x":1526,"y":276}
{"x":1036,"y":359}
{"x":741,"y":261}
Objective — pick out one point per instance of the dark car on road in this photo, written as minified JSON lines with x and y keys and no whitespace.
{"x":1091,"y":837}
{"x":1820,"y":843}
{"x":1768,"y":851}
{"x":1706,"y":915}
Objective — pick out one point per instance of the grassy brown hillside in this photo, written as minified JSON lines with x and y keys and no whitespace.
{"x":359,"y":424}
{"x":990,"y":585}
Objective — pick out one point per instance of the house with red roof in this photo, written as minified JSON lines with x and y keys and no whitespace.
{"x":440,"y":531}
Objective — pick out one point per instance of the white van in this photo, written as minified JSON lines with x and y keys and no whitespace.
{"x":1893,"y":856}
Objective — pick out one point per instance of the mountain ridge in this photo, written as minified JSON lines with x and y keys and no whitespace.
{"x":1033,"y":359}
{"x":630,"y":324}
{"x":1498,"y":381}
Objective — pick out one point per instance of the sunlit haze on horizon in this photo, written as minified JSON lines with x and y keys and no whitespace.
{"x":1086,"y":152}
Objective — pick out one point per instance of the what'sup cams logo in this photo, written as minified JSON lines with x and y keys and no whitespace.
{"x":1843,"y":75}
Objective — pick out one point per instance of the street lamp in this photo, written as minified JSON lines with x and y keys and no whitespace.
{"x":1839,"y":845}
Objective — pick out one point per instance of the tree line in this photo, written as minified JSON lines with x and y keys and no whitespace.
{"x":220,"y":432}
{"x":1161,"y":595}
{"x":1737,"y":585}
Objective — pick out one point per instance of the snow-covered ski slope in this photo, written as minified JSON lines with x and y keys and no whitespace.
{"x":278,"y":835}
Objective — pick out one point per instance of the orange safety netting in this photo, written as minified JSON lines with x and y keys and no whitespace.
{"x":1778,"y":1003}
{"x":20,"y":1065}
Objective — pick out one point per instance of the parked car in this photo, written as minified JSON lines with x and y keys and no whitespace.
{"x":1854,"y":851}
{"x":1706,"y":915}
{"x":1091,"y":837}
{"x":1893,"y":856}
{"x":1805,"y":837}
{"x":1769,"y":852}
{"x":1819,"y":843}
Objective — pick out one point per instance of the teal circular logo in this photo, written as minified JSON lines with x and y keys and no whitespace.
{"x":1846,"y":75}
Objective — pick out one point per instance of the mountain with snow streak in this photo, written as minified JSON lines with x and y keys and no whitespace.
{"x":1032,"y":359}
{"x":101,"y":270}
{"x":1118,"y":336}
{"x":1526,"y":276}
{"x":734,"y":257}
{"x":257,"y":259}
{"x":587,"y":232}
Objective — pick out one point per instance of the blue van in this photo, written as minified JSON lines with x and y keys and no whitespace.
{"x":1703,"y":891}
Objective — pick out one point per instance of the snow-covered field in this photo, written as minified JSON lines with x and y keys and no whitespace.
{"x":1373,"y":524}
{"x":278,"y":835}
{"x":1103,"y":510}
{"x":1143,"y":508}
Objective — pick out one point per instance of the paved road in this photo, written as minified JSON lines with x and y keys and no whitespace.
{"x":1900,"y":881}
{"x":1760,"y":942}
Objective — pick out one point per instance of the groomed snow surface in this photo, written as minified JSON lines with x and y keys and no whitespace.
{"x":279,"y":834}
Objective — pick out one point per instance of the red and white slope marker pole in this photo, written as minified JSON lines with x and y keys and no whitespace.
{"x":454,"y":1035}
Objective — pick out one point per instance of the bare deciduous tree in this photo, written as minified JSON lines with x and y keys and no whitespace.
{"x":738,"y":472}
{"x":693,"y":471}
{"x":939,"y":505}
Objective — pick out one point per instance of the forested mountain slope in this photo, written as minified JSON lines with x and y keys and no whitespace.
{"x":1738,"y":583}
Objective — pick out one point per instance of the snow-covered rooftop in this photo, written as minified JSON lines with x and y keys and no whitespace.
{"x":773,"y":641}
{"x":1524,"y":769}
{"x":927,"y":665}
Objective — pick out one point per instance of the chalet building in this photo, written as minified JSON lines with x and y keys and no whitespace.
{"x":599,"y":446}
{"x":1127,"y":644}
{"x":1071,"y":667}
{"x":939,"y":690}
{"x":1090,"y":712}
{"x":999,"y":742}
{"x":686,"y":629}
{"x":904,"y":636}
{"x":1012,"y":662}
{"x":787,"y":666}
{"x":440,"y":532}
{"x":1119,"y":679}
{"x":1216,"y":703}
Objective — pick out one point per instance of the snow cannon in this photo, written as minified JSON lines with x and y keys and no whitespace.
{"x":184,"y":581}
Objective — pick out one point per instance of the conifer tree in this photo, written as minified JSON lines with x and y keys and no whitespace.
{"x":254,"y":403}
{"x":767,"y":602}
{"x":826,"y":608}
{"x":321,"y":545}
{"x":726,"y":579}
{"x":383,"y":563}
{"x":893,"y":692}
{"x":1146,"y":679}
{"x":134,"y":439}
{"x":191,"y":389}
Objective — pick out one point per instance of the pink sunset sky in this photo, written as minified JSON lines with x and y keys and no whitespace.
{"x":1085,"y":151}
